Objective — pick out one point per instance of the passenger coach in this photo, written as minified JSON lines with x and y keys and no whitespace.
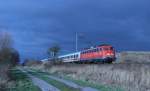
{"x":72,"y":57}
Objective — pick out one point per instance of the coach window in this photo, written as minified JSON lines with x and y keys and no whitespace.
{"x":85,"y":52}
{"x":77,"y":56}
{"x":91,"y":51}
{"x":95,"y":50}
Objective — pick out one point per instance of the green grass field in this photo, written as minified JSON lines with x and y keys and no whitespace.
{"x":21,"y":82}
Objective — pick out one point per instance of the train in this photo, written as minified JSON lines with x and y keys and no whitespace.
{"x":104,"y":53}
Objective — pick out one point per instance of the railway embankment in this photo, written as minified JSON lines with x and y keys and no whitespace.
{"x":131,"y":72}
{"x":131,"y":77}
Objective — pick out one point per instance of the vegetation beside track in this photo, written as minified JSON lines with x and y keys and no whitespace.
{"x":19,"y":81}
{"x":81,"y":82}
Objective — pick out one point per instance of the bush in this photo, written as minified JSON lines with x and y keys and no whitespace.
{"x":31,"y":62}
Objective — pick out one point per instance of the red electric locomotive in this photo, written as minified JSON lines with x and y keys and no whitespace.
{"x":101,"y":53}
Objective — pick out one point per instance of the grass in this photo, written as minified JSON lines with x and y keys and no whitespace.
{"x":55,"y":83}
{"x":84,"y":83}
{"x":93,"y":85}
{"x":21,"y":82}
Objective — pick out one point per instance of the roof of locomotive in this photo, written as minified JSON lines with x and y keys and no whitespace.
{"x":104,"y":45}
{"x":94,"y":47}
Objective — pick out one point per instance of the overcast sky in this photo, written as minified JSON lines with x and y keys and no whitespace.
{"x":37,"y":24}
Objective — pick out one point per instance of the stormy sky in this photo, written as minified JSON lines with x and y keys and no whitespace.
{"x":37,"y":24}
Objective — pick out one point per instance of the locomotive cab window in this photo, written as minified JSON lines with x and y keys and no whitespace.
{"x":111,"y":48}
{"x":106,"y":49}
{"x":100,"y":49}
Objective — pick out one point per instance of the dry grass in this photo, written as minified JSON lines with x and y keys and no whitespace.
{"x":132,"y":77}
{"x":135,"y":57}
{"x":4,"y":71}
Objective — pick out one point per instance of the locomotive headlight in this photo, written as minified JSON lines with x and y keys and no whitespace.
{"x":108,"y":54}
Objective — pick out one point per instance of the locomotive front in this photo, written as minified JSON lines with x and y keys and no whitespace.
{"x":108,"y":53}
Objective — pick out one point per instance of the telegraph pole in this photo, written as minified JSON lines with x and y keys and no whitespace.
{"x":76,"y":41}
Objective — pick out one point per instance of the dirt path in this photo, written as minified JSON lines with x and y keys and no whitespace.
{"x":44,"y":86}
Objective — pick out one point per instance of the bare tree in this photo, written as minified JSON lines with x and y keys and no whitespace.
{"x":7,"y":53}
{"x":5,"y":40}
{"x":53,"y":51}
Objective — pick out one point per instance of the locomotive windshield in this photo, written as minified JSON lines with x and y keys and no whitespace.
{"x":108,"y":48}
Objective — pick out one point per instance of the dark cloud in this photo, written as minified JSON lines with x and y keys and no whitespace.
{"x":36,"y":24}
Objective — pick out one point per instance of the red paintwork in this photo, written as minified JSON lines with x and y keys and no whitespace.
{"x":106,"y":51}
